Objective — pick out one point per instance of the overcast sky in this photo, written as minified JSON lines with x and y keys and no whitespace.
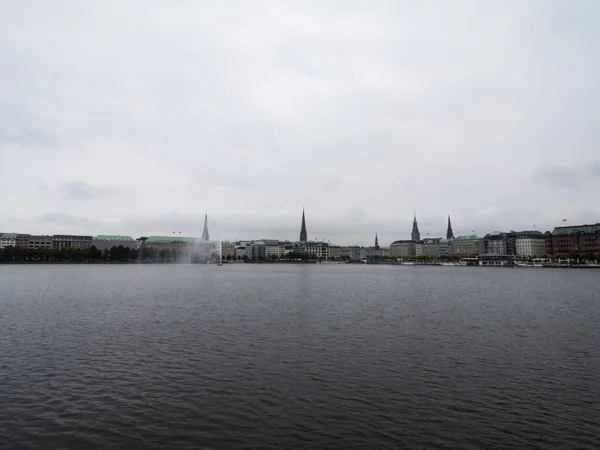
{"x":137,"y":117}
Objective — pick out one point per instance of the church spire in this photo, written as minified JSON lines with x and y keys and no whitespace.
{"x":415,"y":235}
{"x":205,"y":234}
{"x":303,"y":237}
{"x":449,"y":232}
{"x":376,"y":242}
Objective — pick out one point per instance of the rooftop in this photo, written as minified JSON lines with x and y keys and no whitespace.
{"x":530,"y":234}
{"x":471,"y":237}
{"x":108,"y":237}
{"x":577,"y":229}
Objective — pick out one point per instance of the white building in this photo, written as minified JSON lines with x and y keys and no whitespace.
{"x":8,"y":240}
{"x":318,"y":248}
{"x":243,"y":248}
{"x":531,"y":244}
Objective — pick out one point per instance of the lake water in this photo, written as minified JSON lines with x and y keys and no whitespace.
{"x":299,"y":356}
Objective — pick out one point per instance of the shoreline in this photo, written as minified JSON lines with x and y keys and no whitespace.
{"x":548,"y":266}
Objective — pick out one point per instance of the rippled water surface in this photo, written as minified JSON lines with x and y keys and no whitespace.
{"x":279,"y":356}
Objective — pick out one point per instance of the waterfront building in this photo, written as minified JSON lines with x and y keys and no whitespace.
{"x":530,"y":244}
{"x":243,"y":248}
{"x":106,"y":242}
{"x":443,"y":247}
{"x":430,"y":246}
{"x":498,"y":243}
{"x":227,"y":249}
{"x":39,"y":241}
{"x":318,"y":248}
{"x":574,"y":239}
{"x":60,"y":241}
{"x":403,"y":249}
{"x":335,"y":252}
{"x":466,"y":246}
{"x":259,"y":250}
{"x":347,"y":253}
{"x":8,"y":240}
{"x":287,"y":247}
{"x":353,"y":253}
{"x":22,"y":240}
{"x":267,"y":248}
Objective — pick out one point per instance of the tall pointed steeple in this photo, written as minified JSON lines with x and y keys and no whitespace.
{"x":303,"y":237}
{"x":205,"y":234}
{"x":376,"y":242}
{"x":415,"y":235}
{"x":449,"y":232}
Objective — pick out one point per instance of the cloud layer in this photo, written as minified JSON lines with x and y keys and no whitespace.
{"x":138,"y":117}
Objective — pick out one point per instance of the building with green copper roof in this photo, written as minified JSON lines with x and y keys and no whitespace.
{"x":469,"y":245}
{"x":574,"y":239}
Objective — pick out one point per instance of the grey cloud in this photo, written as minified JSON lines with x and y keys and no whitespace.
{"x":80,"y":190}
{"x":570,"y":177}
{"x":19,"y":125}
{"x":69,"y":221}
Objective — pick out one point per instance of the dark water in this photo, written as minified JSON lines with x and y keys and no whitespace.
{"x":273,"y":356}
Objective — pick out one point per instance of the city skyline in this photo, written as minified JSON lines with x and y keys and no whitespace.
{"x":361,"y":112}
{"x":414,"y":233}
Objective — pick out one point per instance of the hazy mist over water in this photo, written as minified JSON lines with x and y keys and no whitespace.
{"x":298,"y":356}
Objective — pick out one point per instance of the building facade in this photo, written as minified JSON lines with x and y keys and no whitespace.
{"x":466,"y":246}
{"x":574,"y":239}
{"x":227,"y":250}
{"x":8,"y":240}
{"x":403,"y":249}
{"x":444,"y":247}
{"x":22,"y":240}
{"x":319,"y":249}
{"x":429,"y":246}
{"x":498,"y":243}
{"x":60,"y":241}
{"x":353,"y":253}
{"x":39,"y":241}
{"x":335,"y":252}
{"x":530,"y":244}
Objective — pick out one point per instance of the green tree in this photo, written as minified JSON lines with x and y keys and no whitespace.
{"x":95,"y":254}
{"x":589,"y":256}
